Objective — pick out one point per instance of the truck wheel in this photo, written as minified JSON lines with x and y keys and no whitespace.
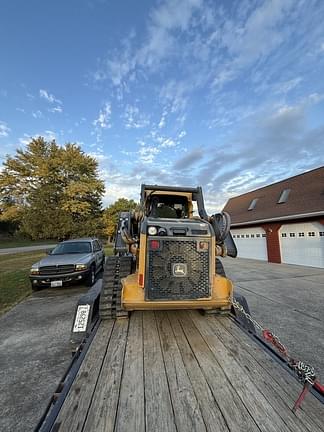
{"x":91,"y":277}
{"x":35,"y":287}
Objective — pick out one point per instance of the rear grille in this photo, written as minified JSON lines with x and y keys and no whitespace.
{"x":162,"y":284}
{"x":55,"y":270}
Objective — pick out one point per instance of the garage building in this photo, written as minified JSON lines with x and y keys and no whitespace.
{"x":282,"y":222}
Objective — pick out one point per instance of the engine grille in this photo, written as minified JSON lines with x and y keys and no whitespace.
{"x":54,"y":270}
{"x":160,"y":282}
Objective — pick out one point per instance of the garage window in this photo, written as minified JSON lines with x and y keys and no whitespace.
{"x":283,"y":196}
{"x":263,"y":235}
{"x":242,"y":235}
{"x":283,"y":235}
{"x":292,"y":235}
{"x":321,"y":233}
{"x":311,"y":234}
{"x":238,"y":235}
{"x":258,"y":235}
{"x":253,"y":204}
{"x":252,"y":235}
{"x":301,"y":234}
{"x":233,"y":235}
{"x":247,"y":235}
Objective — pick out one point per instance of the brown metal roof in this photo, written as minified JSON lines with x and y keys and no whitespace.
{"x":306,"y":196}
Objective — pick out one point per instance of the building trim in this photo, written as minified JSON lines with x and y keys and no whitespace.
{"x":280,"y":218}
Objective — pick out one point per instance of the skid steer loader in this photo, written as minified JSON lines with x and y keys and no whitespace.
{"x":166,"y":256}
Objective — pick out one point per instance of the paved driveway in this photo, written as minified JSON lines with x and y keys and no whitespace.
{"x":289,"y":300}
{"x":34,"y":353}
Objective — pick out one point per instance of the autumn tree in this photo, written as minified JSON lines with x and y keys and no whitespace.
{"x":110,"y":214}
{"x":52,"y":191}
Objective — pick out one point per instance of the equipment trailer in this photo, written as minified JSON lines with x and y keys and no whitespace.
{"x":164,"y":345}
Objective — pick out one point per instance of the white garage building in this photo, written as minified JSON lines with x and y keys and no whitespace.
{"x":282,"y":222}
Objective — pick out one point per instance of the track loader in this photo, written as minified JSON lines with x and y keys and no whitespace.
{"x":166,"y":256}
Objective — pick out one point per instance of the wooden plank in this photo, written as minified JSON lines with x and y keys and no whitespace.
{"x":263,"y":380}
{"x":213,"y":418}
{"x":159,"y":412}
{"x":185,"y":405}
{"x":266,"y":417}
{"x":289,"y":385}
{"x":233,"y":409}
{"x":131,"y":410}
{"x":103,"y":408}
{"x":76,"y":405}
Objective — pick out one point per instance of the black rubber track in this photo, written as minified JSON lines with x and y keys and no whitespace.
{"x":116,"y":268}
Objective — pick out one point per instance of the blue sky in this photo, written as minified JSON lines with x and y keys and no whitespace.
{"x":225,"y":94}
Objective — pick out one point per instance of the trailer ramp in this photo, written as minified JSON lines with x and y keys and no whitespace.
{"x":181,"y":371}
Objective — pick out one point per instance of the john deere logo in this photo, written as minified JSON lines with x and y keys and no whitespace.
{"x":179,"y":270}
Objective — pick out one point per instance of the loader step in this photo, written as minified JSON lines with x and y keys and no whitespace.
{"x":181,"y":371}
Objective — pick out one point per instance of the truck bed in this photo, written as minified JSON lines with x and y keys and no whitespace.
{"x":182,"y":371}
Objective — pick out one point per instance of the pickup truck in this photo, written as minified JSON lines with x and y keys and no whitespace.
{"x":77,"y":260}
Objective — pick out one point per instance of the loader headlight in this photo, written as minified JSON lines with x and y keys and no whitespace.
{"x":152,"y":230}
{"x":79,"y":267}
{"x":34,"y":271}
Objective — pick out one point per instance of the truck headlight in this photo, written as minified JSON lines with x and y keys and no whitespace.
{"x":152,"y":230}
{"x":80,"y":267}
{"x":34,"y":271}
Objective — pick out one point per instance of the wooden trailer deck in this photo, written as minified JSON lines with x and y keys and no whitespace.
{"x":181,"y":371}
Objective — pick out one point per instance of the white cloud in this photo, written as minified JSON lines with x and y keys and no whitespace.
{"x":164,"y":22}
{"x":4,"y":129}
{"x":287,"y":86}
{"x":162,"y":122}
{"x":168,"y":142}
{"x":134,"y":119}
{"x":182,"y":134}
{"x":37,"y":114}
{"x":57,"y":109}
{"x":44,"y":94}
{"x":147,"y":153}
{"x":103,"y":120}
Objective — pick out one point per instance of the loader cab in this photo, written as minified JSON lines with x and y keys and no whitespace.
{"x":172,"y":202}
{"x":170,"y":207}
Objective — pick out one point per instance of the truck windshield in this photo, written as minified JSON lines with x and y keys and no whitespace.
{"x":72,"y":248}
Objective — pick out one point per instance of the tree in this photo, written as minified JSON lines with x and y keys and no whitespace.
{"x":110,"y":214}
{"x":52,"y":191}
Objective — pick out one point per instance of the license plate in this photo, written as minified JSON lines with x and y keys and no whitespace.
{"x":81,"y":318}
{"x":56,"y":284}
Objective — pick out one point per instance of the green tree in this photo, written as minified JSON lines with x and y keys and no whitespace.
{"x":110,"y":214}
{"x":52,"y":191}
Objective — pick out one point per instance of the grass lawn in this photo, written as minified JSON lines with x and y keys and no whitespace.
{"x":14,"y":272}
{"x":109,"y":250}
{"x":24,"y":242}
{"x":14,"y":281}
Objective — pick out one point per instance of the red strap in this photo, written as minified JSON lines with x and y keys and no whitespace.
{"x":301,"y":397}
{"x":319,"y":387}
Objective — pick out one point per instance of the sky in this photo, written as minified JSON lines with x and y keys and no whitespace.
{"x":228,"y":95}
